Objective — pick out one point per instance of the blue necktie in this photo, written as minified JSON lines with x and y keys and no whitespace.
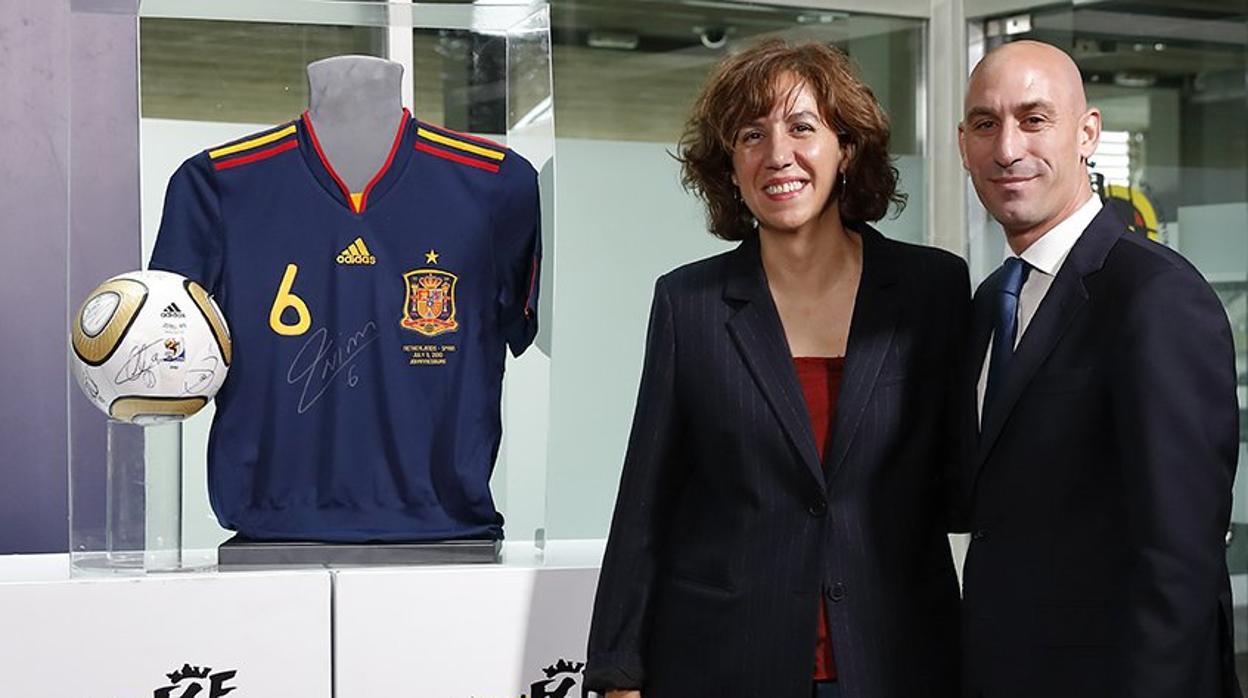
{"x":1004,"y":324}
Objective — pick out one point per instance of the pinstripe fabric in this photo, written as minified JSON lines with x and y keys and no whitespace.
{"x":726,"y":530}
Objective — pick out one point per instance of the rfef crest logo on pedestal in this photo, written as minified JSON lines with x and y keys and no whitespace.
{"x":196,"y":682}
{"x":561,"y":678}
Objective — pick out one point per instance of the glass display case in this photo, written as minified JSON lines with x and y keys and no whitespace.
{"x":211,"y":73}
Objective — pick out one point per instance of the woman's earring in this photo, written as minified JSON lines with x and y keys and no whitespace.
{"x":748,"y":214}
{"x":843,"y":181}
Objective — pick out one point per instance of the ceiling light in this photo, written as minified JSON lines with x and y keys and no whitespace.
{"x":619,"y":41}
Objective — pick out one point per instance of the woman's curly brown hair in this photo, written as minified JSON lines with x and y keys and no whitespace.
{"x":743,"y":88}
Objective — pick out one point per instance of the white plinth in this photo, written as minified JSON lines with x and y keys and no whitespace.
{"x":121,"y":637}
{"x":470,"y":631}
{"x":462,"y":631}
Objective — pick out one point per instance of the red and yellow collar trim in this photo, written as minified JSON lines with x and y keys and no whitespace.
{"x":357,"y":201}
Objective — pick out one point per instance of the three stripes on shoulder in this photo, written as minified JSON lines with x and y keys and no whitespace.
{"x":256,"y":148}
{"x":472,"y":151}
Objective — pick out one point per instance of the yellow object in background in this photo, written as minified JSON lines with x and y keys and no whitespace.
{"x":1140,"y":214}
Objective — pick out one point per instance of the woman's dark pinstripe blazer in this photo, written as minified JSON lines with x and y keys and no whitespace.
{"x":727,"y":527}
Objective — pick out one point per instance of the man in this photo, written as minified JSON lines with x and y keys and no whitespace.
{"x":1100,"y":400}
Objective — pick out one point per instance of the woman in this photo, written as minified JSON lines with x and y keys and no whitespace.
{"x":780,"y":526}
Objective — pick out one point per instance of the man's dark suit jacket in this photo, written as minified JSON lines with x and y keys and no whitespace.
{"x":1101,"y":485}
{"x":726,"y":527}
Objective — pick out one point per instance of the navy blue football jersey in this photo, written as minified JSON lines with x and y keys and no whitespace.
{"x":370,"y":328}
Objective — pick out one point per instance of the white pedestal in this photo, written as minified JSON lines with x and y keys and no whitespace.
{"x":261,"y":634}
{"x":462,"y":631}
{"x":514,"y":629}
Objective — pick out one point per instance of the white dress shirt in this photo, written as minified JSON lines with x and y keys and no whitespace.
{"x":1045,"y":256}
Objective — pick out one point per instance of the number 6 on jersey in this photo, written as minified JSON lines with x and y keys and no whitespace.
{"x":285,"y":299}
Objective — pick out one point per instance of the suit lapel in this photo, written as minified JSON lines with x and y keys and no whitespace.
{"x":1060,"y":305}
{"x":759,"y":336}
{"x":981,"y":332}
{"x":871,"y":331}
{"x":1063,"y":300}
{"x":972,"y":368}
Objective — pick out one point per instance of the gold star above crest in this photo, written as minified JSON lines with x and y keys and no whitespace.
{"x":431,"y":257}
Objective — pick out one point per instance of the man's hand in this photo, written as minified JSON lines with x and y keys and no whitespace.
{"x":623,"y":694}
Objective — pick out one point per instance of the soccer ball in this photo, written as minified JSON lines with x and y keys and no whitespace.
{"x":149,"y":346}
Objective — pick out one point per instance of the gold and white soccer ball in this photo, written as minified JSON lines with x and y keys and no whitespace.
{"x":149,"y":346}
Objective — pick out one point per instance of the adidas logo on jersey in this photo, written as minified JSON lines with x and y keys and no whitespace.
{"x":172,"y":310}
{"x":356,"y":253}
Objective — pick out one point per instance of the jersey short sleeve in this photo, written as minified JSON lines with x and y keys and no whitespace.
{"x":190,"y":241}
{"x":518,"y":245}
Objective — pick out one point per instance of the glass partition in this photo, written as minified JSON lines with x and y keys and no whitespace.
{"x":213,"y":72}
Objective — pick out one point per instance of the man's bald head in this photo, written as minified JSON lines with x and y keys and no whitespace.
{"x":1026,"y":135}
{"x":1020,"y":59}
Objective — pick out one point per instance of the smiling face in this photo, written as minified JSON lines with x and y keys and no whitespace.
{"x":1025,"y":137}
{"x":786,"y":163}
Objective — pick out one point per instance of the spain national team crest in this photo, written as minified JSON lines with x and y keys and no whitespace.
{"x":430,"y":308}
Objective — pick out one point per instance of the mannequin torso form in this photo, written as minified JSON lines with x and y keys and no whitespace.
{"x":355,"y":104}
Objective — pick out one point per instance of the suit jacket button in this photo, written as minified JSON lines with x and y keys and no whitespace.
{"x":835,"y":593}
{"x":980,"y":534}
{"x":818,"y":509}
